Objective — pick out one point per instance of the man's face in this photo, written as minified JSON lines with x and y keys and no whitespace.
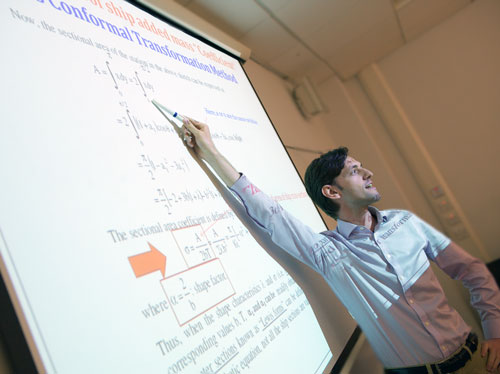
{"x":356,"y":186}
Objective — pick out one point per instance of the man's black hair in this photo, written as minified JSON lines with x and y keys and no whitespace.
{"x":322,"y":171}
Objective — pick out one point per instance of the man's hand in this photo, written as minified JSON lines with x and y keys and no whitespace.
{"x":196,"y":135}
{"x":491,"y":348}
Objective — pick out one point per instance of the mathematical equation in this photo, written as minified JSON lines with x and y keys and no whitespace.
{"x":132,"y":82}
{"x":205,"y":283}
{"x":154,"y":167}
{"x":122,"y":79}
{"x":169,"y":200}
{"x":194,"y":291}
{"x":129,"y":120}
{"x":197,"y":245}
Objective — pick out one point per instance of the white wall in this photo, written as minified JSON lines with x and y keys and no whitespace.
{"x":447,"y":85}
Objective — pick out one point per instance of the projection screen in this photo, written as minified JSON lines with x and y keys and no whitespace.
{"x":118,"y":251}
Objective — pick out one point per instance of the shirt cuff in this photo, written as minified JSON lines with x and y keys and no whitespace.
{"x":491,"y":328}
{"x":240,"y":183}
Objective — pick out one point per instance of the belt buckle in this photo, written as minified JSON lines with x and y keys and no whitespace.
{"x":438,"y":369}
{"x":433,"y":369}
{"x":469,"y":349}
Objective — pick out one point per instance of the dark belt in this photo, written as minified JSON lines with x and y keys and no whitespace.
{"x":457,"y":361}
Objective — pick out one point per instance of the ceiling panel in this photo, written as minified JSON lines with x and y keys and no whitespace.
{"x":233,"y":17}
{"x":294,"y":61}
{"x":305,"y":17}
{"x":274,"y":5}
{"x":268,"y":41}
{"x":419,"y":16}
{"x":319,"y":38}
{"x":349,"y":24}
{"x":374,"y":43}
{"x":367,"y":32}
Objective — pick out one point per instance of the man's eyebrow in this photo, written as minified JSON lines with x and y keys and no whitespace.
{"x":353,"y":166}
{"x":350,"y":167}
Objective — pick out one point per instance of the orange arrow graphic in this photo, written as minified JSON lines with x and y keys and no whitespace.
{"x":148,"y":262}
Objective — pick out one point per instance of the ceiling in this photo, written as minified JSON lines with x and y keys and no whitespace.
{"x":319,"y":38}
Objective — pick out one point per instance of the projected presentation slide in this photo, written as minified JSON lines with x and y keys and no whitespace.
{"x":120,"y":253}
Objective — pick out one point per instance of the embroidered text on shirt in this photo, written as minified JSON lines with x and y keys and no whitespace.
{"x":395,"y":227}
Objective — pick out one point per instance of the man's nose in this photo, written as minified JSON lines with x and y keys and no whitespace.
{"x":367,"y":174}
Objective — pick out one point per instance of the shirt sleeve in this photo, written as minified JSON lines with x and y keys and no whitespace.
{"x":473,"y":273}
{"x":436,"y":240}
{"x":285,"y":230}
{"x":460,"y":265}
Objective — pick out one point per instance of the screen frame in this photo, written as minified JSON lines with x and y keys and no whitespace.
{"x":14,"y":342}
{"x":182,"y":28}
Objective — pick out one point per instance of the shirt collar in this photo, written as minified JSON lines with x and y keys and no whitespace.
{"x":346,"y":228}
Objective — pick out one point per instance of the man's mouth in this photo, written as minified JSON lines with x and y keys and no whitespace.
{"x":369,"y":185}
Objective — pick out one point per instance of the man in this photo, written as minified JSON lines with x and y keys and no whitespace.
{"x":377,"y":263}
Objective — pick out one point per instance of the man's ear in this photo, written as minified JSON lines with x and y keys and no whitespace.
{"x":331,"y":191}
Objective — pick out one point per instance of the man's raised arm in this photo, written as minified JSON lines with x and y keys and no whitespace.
{"x":197,"y":136}
{"x":287,"y":232}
